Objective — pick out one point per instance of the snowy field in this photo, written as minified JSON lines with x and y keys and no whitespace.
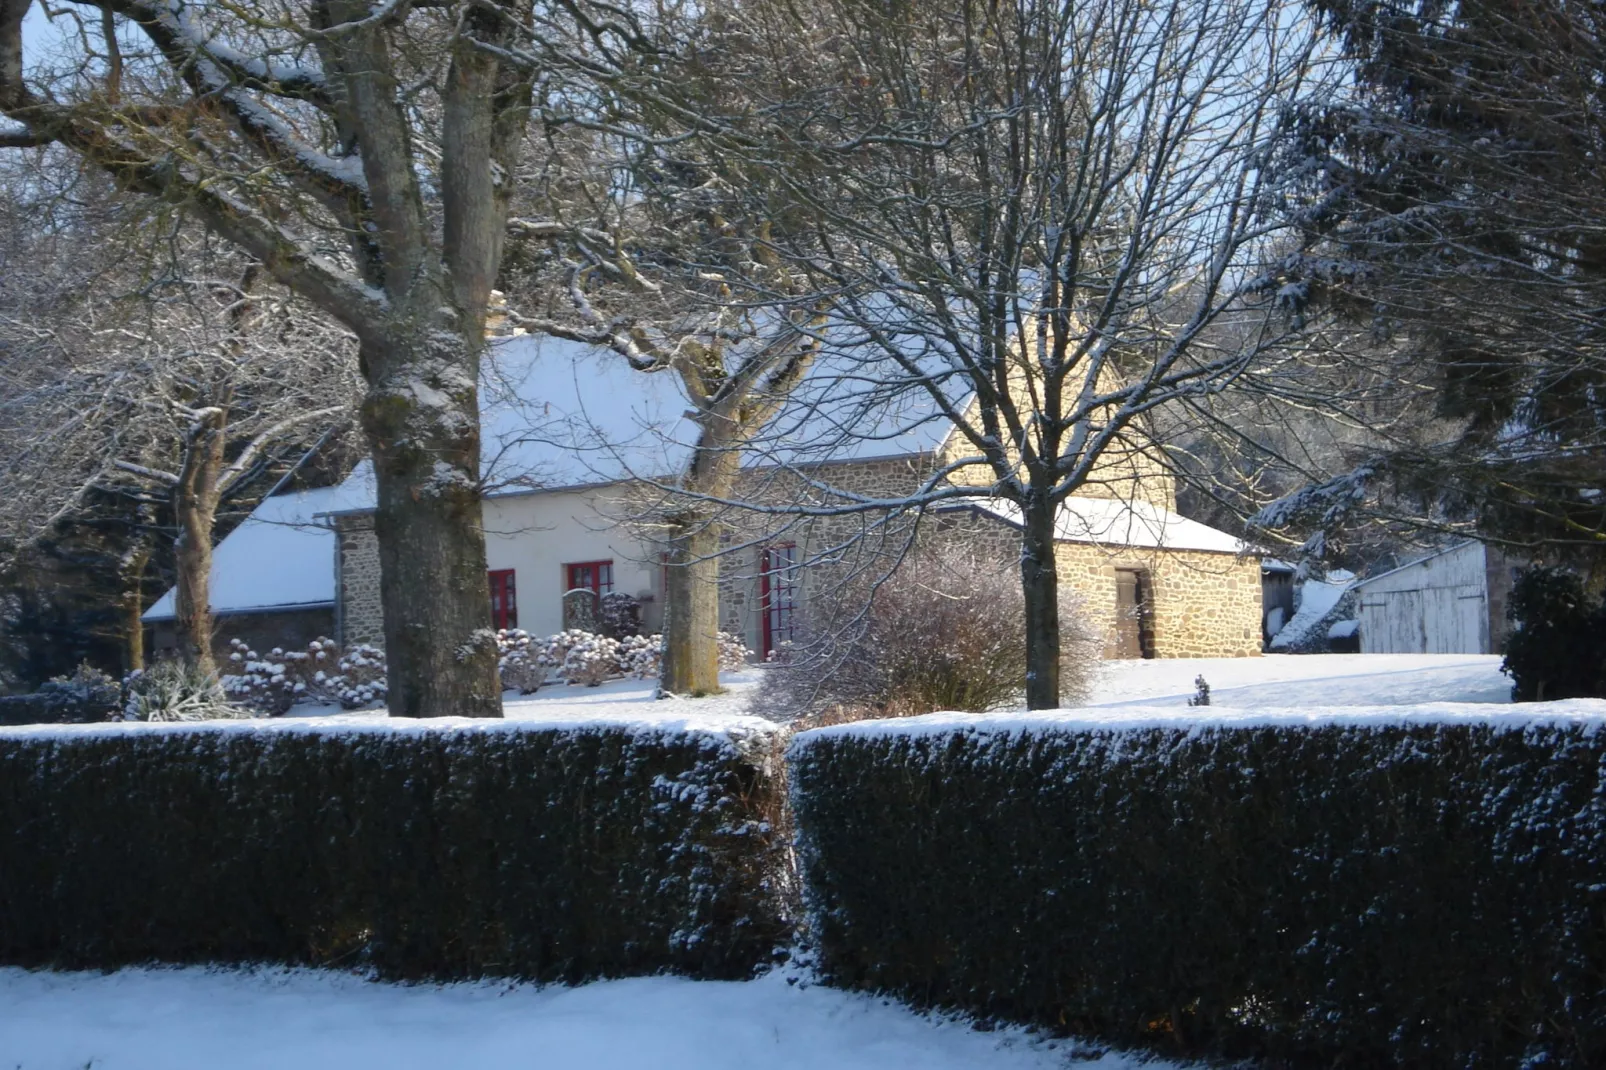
{"x":1272,"y":681}
{"x":1302,"y":680}
{"x":195,"y":1019}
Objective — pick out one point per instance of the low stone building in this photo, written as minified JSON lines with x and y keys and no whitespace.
{"x":571,"y":500}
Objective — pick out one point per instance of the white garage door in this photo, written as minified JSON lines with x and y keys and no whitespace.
{"x":1434,"y":620}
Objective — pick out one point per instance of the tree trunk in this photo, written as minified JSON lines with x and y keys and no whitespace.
{"x":1040,"y":583}
{"x":421,"y":415}
{"x":194,"y":508}
{"x":134,"y":608}
{"x":691,"y":610}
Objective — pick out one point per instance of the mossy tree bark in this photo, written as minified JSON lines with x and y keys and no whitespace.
{"x":195,"y":499}
{"x":691,"y":611}
{"x":421,"y":417}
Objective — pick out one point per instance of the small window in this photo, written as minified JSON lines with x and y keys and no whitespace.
{"x":504,"y":599}
{"x":593,"y":576}
{"x":778,"y":591}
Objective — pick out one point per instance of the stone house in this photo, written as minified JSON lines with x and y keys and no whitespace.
{"x":568,"y":507}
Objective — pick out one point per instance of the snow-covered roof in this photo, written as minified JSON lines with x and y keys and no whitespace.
{"x":1317,"y":598}
{"x":1119,"y":522}
{"x":278,"y":558}
{"x":558,"y":414}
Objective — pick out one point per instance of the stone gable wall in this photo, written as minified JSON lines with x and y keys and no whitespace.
{"x":1205,"y":605}
{"x":358,"y":615}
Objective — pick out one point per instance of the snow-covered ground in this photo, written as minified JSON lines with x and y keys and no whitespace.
{"x":196,"y":1019}
{"x":1279,"y":681}
{"x":1274,"y":681}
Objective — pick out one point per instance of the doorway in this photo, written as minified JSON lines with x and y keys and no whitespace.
{"x":1134,"y":615}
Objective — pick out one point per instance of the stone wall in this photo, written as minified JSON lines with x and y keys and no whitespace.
{"x":1203,"y":605}
{"x":358,"y":616}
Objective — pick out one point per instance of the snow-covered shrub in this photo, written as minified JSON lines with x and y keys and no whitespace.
{"x":520,"y":661}
{"x":619,"y":615}
{"x":552,"y":854}
{"x":946,"y":631}
{"x":175,"y":690}
{"x":361,"y":679}
{"x":733,"y":653}
{"x":590,"y":660}
{"x":641,"y":656}
{"x":319,"y":674}
{"x":1558,"y":649}
{"x":1384,"y":893}
{"x":87,"y":695}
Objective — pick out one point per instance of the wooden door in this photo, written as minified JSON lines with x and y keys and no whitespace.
{"x":1131,"y":635}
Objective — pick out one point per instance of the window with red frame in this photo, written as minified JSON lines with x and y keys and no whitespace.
{"x":504,"y":599}
{"x":778,"y":591}
{"x":593,"y":576}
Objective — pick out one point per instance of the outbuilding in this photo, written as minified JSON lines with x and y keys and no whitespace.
{"x":1449,"y":602}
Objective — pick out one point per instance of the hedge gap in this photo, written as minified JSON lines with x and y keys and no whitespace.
{"x":1399,"y":893}
{"x":440,"y":853}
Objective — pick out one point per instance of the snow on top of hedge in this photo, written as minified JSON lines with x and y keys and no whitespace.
{"x":675,"y":719}
{"x":1589,"y":713}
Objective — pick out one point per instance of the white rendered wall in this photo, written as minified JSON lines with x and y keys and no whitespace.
{"x":536,"y":535}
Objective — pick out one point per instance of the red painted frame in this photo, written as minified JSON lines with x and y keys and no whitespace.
{"x":595,"y":583}
{"x":504,"y":598}
{"x":777,"y":596}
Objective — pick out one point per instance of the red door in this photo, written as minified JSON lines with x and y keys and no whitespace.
{"x":778,"y":596}
{"x":504,"y":599}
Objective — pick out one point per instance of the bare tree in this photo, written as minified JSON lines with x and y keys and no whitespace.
{"x":1050,"y":206}
{"x":361,"y":153}
{"x":658,"y":244}
{"x":179,"y":384}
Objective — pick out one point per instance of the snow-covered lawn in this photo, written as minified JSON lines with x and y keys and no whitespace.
{"x":1274,"y":681}
{"x":195,"y":1019}
{"x":1278,"y":681}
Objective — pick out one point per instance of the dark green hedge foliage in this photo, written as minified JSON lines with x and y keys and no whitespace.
{"x":542,"y":854}
{"x":1558,"y":650}
{"x":1411,"y":895}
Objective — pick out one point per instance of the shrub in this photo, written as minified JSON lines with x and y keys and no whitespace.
{"x":590,"y":659}
{"x":175,"y":690}
{"x":361,"y":680}
{"x":318,"y":674}
{"x":619,"y":615}
{"x":89,"y":694}
{"x":1558,"y":649}
{"x":945,"y":631}
{"x":519,"y":661}
{"x":1384,"y":893}
{"x":417,"y":851}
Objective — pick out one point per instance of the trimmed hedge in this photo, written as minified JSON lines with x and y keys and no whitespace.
{"x":1386,"y":891}
{"x":514,"y":850}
